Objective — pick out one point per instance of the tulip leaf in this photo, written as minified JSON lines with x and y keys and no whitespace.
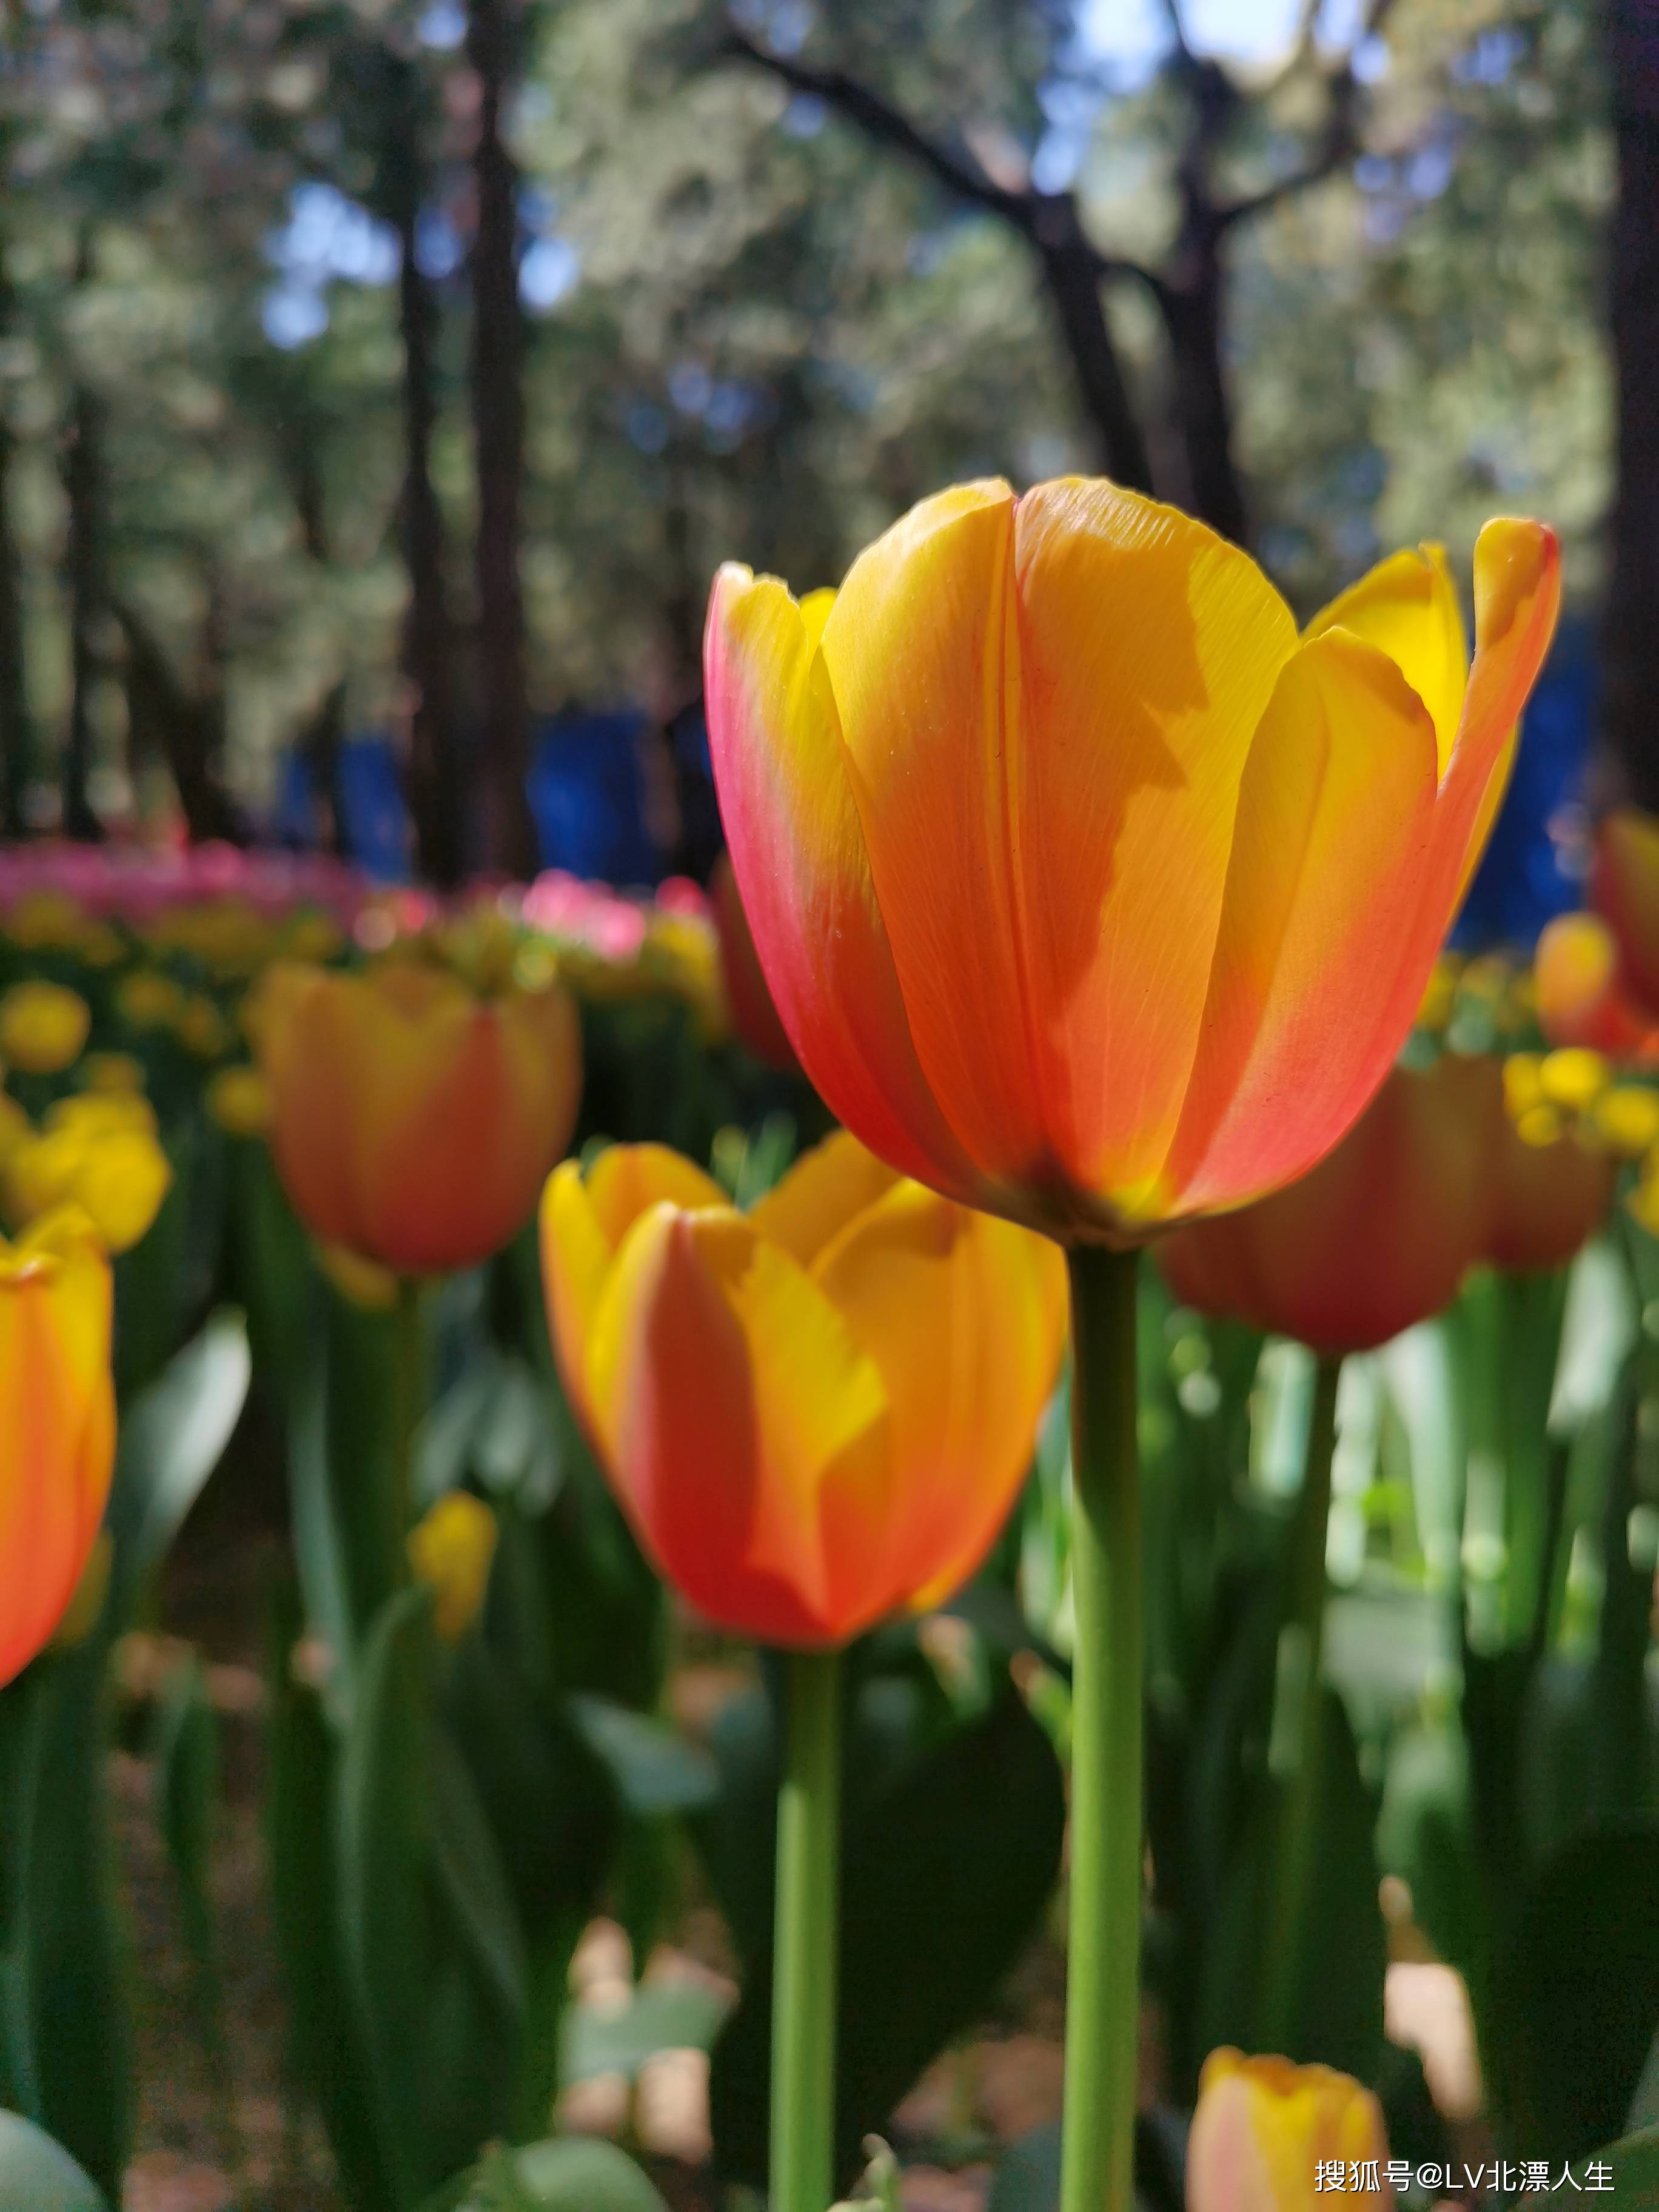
{"x":471,"y":1874}
{"x":1337,"y":1994}
{"x":382,"y":1852}
{"x":187,"y":1758}
{"x":1629,"y":2172}
{"x":326,"y":2053}
{"x":944,"y":1871}
{"x":1578,"y":1982}
{"x":36,"y":2171}
{"x":172,"y":1439}
{"x":567,"y":2174}
{"x":66,"y":2018}
{"x":655,"y":1769}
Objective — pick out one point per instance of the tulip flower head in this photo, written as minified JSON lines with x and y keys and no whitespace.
{"x":57,"y":1425}
{"x":1580,"y":998}
{"x":1087,"y":892}
{"x":815,"y":1413}
{"x":238,"y":1100}
{"x":98,"y":1150}
{"x":1267,"y":2133}
{"x":413,"y":1120}
{"x":42,"y":1027}
{"x":1377,"y":1237}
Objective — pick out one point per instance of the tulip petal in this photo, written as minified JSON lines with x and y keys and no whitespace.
{"x":747,"y":1431}
{"x":922,"y":648}
{"x":965,"y":1315}
{"x":1335,"y":819}
{"x":584,"y":1219}
{"x":1148,"y":648}
{"x":303,"y":1033}
{"x":1517,"y":597}
{"x":798,"y":850}
{"x":1408,"y":608}
{"x":825,"y":1189}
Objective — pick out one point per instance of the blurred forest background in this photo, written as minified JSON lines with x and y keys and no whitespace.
{"x":377,"y":381}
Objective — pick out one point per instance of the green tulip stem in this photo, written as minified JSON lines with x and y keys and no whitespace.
{"x":1296,"y":1752}
{"x":806,"y":1939}
{"x":409,"y":1404}
{"x":1103,"y":2006}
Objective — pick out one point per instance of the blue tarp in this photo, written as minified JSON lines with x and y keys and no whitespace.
{"x":1527,"y":877}
{"x":587,"y":795}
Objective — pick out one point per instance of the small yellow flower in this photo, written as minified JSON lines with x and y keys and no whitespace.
{"x":1627,"y":1119}
{"x":43,"y":920}
{"x":111,"y":1072}
{"x":1435,"y":1010}
{"x":1541,"y":1125}
{"x":99,"y":1152}
{"x":1522,"y":1087}
{"x":239,"y":1099}
{"x":201,"y":1029}
{"x":314,"y":937}
{"x":450,"y":1549}
{"x":42,"y":1027}
{"x":149,"y":1000}
{"x":360,"y":1282}
{"x":1573,"y":1078}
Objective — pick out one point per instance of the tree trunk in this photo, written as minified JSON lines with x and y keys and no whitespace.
{"x":186,"y":731}
{"x":1074,"y":282}
{"x":434,"y":772}
{"x":497,"y":376}
{"x":16,"y":737}
{"x":1632,"y":636}
{"x":1192,"y":310}
{"x":83,"y":490}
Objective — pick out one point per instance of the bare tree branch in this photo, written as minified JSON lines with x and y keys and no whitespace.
{"x":1339,"y":143}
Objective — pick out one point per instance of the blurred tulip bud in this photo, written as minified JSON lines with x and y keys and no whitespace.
{"x":238,"y":1100}
{"x":413,"y":1121}
{"x":1626,"y":1119}
{"x":57,"y":1425}
{"x":1409,"y":1188}
{"x":1576,"y":991}
{"x":149,"y":1000}
{"x":112,"y":1072}
{"x":98,"y":1150}
{"x":42,"y":1027}
{"x":201,"y":1028}
{"x":1268,"y":2136}
{"x":1573,"y":1078}
{"x":451,"y":1548}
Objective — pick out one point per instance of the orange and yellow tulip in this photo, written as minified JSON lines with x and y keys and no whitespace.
{"x":814,"y":1414}
{"x":1087,"y":892}
{"x":1380,"y":1233}
{"x":1267,"y":2133}
{"x":413,"y":1122}
{"x":1625,"y":889}
{"x":57,"y":1425}
{"x":753,"y":1015}
{"x":1550,"y":1193}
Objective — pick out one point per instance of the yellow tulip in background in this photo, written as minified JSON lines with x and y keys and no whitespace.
{"x":57,"y":1424}
{"x":815,"y":1413}
{"x":413,"y":1121}
{"x":42,"y":1027}
{"x":451,"y":1548}
{"x":1264,"y":2130}
{"x":98,"y":1150}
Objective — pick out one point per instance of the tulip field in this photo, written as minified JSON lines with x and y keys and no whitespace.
{"x":1020,"y":1434}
